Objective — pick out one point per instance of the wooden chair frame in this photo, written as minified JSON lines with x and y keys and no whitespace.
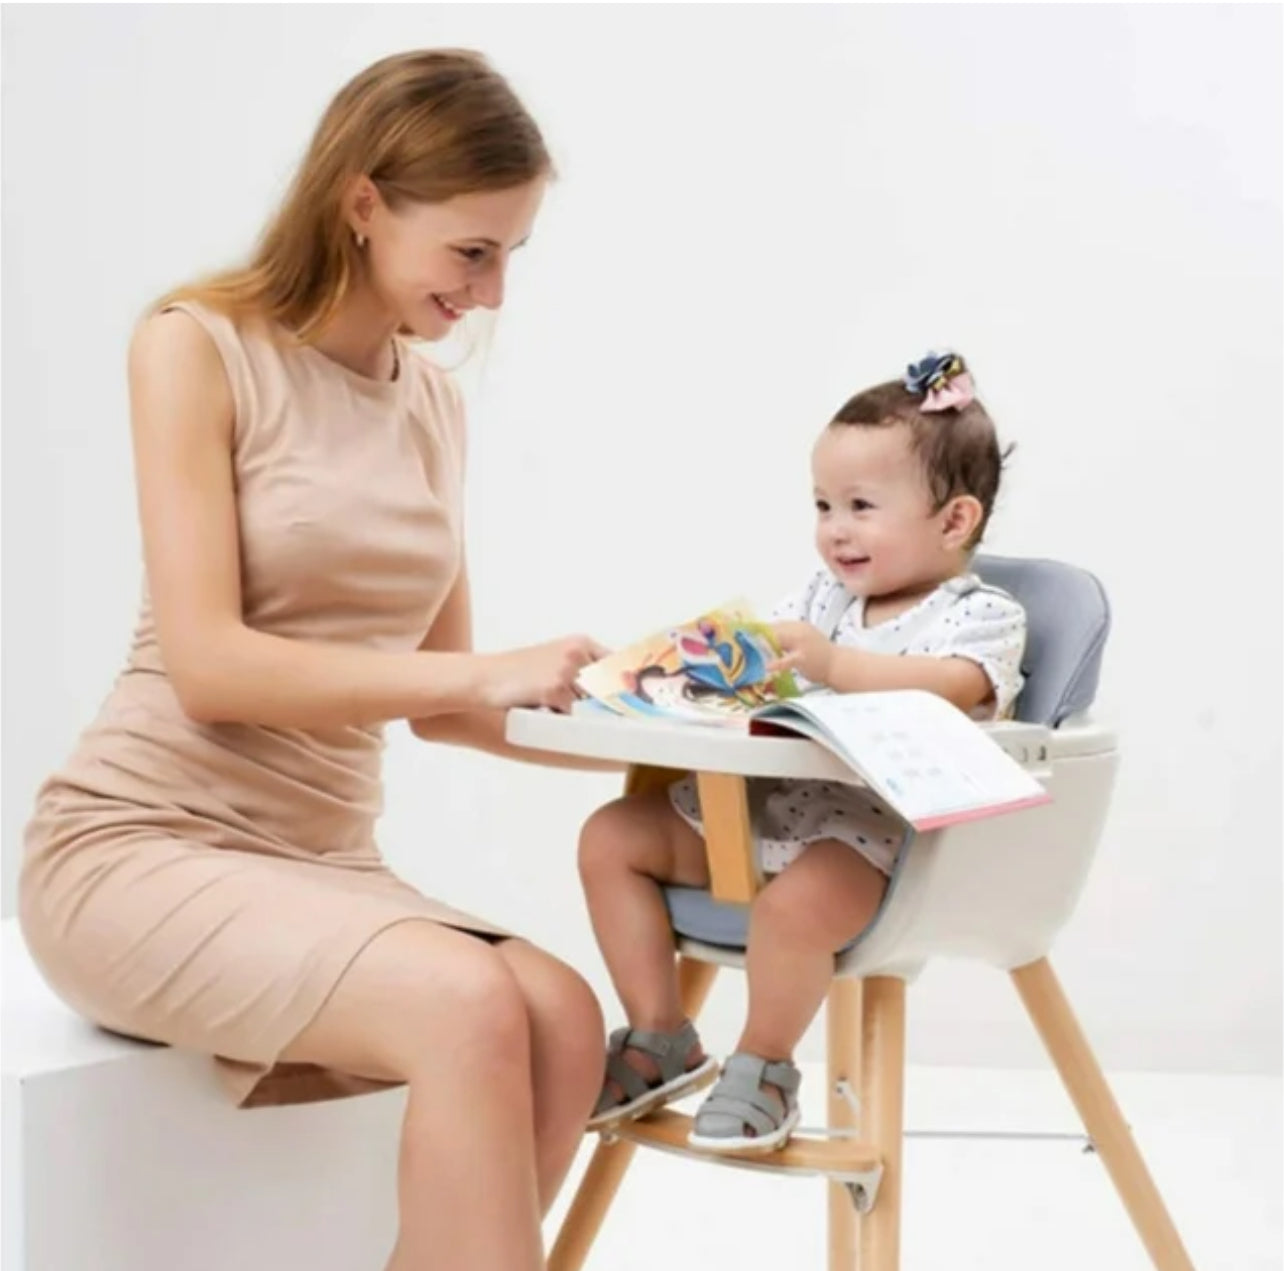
{"x":865,"y":1023}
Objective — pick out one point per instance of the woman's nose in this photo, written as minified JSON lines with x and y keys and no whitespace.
{"x":488,"y":290}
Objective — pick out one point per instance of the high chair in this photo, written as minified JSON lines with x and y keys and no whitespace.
{"x":997,"y":890}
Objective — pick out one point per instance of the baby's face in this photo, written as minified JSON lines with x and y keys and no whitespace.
{"x":875,"y":525}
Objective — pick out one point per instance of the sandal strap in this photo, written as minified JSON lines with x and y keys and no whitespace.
{"x":632,"y":1082}
{"x":753,"y":1071}
{"x":669,"y":1050}
{"x":757,"y":1110}
{"x":784,"y":1075}
{"x":738,"y":1098}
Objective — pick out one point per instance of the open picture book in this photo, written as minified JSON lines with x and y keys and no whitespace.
{"x":929,"y":761}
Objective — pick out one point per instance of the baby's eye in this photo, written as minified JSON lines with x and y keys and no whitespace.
{"x":821,"y":505}
{"x":861,"y":505}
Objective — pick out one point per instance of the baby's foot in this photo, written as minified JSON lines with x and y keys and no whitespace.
{"x":645,"y":1070}
{"x":644,"y":1064}
{"x":754,"y":1107}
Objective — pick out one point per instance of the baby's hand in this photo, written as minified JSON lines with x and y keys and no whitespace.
{"x":804,"y":649}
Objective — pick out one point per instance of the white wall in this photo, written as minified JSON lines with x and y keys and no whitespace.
{"x":761,"y":211}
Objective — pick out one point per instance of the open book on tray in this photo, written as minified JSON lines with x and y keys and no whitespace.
{"x":925,"y":757}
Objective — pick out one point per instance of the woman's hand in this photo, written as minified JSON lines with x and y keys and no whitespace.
{"x":542,"y":675}
{"x":804,"y":649}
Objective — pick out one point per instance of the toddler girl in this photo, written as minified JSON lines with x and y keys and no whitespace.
{"x":905,"y":478}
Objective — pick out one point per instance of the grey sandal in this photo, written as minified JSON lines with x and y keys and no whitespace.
{"x":671,"y":1051}
{"x":738,"y":1104}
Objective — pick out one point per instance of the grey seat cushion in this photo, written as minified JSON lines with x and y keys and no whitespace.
{"x":1068,"y":618}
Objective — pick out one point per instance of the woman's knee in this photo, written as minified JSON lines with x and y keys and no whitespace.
{"x":454,"y":1003}
{"x":575,"y":1008}
{"x":578,"y":1020}
{"x":567,"y":1031}
{"x":559,"y":1001}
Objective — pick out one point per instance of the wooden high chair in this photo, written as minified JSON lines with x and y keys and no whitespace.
{"x":997,"y":890}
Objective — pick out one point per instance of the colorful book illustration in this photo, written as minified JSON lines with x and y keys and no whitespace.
{"x":933,"y":764}
{"x":713,"y":669}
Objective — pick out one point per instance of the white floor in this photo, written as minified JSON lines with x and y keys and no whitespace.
{"x":1213,"y":1145}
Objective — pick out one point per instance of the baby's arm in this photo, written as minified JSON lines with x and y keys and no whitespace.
{"x":846,"y":670}
{"x":956,"y":678}
{"x":972,"y":658}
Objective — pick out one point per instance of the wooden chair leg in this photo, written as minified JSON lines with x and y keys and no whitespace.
{"x":588,"y":1209}
{"x":843,"y":1036}
{"x":606,"y":1170}
{"x":1048,"y":1008}
{"x":882,"y":1099}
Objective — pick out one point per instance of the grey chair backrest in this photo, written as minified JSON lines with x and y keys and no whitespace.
{"x":1068,"y":617}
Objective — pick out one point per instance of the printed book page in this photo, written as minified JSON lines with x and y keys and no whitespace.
{"x":932,"y":763}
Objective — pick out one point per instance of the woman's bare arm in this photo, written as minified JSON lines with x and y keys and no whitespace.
{"x":221,"y":669}
{"x":452,"y":632}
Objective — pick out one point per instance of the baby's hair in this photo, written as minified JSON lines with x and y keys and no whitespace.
{"x":957,"y":446}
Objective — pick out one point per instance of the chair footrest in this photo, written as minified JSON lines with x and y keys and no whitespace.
{"x":841,"y":1160}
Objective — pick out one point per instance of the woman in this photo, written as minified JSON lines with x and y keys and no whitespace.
{"x":202,"y":871}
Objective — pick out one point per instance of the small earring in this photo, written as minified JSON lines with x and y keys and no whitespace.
{"x":359,"y":239}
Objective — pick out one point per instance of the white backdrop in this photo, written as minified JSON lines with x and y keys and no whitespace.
{"x":760,"y":211}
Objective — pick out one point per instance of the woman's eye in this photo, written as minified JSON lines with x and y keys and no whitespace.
{"x":472,"y":254}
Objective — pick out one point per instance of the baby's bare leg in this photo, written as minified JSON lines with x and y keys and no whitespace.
{"x":798,"y":922}
{"x":628,"y":850}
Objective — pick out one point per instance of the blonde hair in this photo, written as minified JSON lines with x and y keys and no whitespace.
{"x":424,"y":127}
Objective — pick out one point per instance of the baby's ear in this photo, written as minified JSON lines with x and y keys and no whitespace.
{"x":961,"y":518}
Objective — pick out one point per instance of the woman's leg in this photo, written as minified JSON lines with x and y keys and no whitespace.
{"x":444,"y":1012}
{"x":799,"y":920}
{"x":566,"y":1058}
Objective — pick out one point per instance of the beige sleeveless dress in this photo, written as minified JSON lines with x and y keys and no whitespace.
{"x":207,"y":885}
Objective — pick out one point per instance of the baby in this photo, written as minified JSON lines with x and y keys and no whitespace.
{"x":905,"y":478}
